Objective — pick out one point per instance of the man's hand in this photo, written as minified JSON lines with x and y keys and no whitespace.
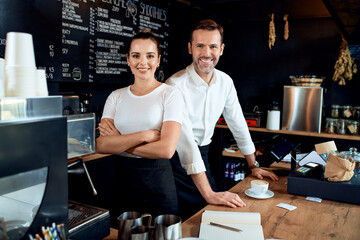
{"x":258,"y":172}
{"x":225,"y":198}
{"x":261,"y":173}
{"x":218,"y":198}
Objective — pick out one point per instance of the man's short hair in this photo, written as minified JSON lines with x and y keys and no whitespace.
{"x":209,"y":25}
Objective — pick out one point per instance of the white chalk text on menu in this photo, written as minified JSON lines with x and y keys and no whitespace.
{"x":95,"y":34}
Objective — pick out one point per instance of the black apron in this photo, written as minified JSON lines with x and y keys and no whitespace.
{"x":146,"y":186}
{"x":189,"y":197}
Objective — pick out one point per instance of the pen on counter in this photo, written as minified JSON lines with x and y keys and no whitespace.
{"x":61,"y":230}
{"x":49,"y":234}
{"x":45,"y":233}
{"x":54,"y":232}
{"x":37,"y":236}
{"x":225,"y":227}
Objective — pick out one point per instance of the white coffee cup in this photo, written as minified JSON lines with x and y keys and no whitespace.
{"x":259,"y":186}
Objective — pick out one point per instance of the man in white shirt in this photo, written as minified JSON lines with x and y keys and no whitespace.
{"x":207,"y":93}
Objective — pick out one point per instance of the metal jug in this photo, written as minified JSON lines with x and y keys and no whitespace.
{"x":129,"y":220}
{"x":167,"y":227}
{"x":142,"y":233}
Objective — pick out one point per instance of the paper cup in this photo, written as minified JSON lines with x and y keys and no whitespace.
{"x":41,"y":84}
{"x":21,"y":83}
{"x":2,"y":77}
{"x":19,"y":50}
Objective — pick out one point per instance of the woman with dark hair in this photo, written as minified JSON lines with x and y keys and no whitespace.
{"x":141,"y":124}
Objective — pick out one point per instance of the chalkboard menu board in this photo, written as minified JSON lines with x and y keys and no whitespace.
{"x":41,"y":18}
{"x":85,"y":40}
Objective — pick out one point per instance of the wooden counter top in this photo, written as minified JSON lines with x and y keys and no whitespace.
{"x":311,"y":220}
{"x":89,"y":157}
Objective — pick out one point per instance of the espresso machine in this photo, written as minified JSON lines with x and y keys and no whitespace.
{"x":36,"y":143}
{"x":84,"y":221}
{"x":33,"y":166}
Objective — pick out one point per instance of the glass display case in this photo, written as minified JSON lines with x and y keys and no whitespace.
{"x":80,"y":134}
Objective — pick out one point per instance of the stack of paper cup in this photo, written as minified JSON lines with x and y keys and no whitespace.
{"x":2,"y":77}
{"x":41,"y":84}
{"x":20,"y":67}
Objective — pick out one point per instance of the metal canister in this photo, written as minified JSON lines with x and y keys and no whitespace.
{"x":341,"y":126}
{"x":335,"y":111}
{"x":331,"y":124}
{"x":352,"y":127}
{"x":346,"y":112}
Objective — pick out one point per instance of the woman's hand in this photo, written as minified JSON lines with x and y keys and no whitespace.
{"x":107,"y":127}
{"x":151,"y":135}
{"x":112,"y":141}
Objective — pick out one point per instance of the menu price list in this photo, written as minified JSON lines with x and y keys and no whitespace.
{"x":41,"y":20}
{"x":95,"y":34}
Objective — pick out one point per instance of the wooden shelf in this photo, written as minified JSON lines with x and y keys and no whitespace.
{"x":299,"y":133}
{"x":236,"y":154}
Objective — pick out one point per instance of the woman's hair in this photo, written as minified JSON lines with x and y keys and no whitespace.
{"x":209,"y":25}
{"x":146,"y":34}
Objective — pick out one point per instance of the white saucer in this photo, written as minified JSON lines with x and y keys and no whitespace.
{"x":265,"y":195}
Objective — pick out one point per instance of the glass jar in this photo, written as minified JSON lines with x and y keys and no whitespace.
{"x":356,"y":113}
{"x":352,"y":127}
{"x":324,"y":156}
{"x":331,"y":124}
{"x":346,"y":112}
{"x":341,"y":155}
{"x":335,"y":111}
{"x":355,"y":155}
{"x":341,"y":126}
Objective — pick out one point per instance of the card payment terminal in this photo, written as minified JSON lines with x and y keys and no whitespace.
{"x":308,"y":169}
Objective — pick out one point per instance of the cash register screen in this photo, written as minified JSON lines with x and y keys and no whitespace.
{"x":311,"y":164}
{"x":282,"y":149}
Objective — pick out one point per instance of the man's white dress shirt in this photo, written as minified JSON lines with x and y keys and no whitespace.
{"x":204,"y":104}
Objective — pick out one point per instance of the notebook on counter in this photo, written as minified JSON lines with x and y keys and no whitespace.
{"x":248,"y":223}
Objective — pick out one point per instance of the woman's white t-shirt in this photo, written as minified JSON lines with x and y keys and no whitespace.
{"x":133,"y":113}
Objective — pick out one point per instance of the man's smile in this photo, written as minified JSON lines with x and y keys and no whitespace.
{"x":206,"y":60}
